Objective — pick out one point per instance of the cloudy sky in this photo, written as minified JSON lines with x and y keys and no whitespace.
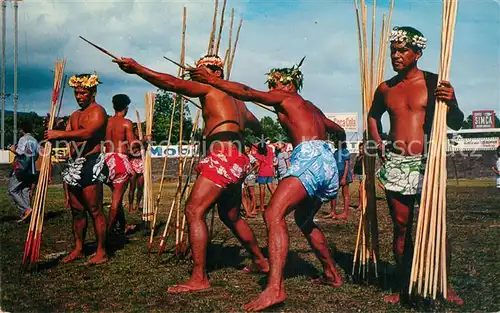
{"x":275,"y":33}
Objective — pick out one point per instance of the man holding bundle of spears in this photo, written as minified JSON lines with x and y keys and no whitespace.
{"x":311,"y":179}
{"x":409,"y":98}
{"x":221,"y":171}
{"x":86,"y":170}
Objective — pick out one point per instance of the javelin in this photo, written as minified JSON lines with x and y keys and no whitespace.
{"x":183,"y":67}
{"x":176,"y":63}
{"x":99,"y":48}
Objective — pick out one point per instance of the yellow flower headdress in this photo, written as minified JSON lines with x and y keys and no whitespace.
{"x":84,"y":80}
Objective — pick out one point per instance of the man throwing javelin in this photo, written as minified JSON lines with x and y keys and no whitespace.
{"x":311,"y":179}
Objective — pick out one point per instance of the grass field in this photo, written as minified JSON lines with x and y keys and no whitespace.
{"x":134,"y":281}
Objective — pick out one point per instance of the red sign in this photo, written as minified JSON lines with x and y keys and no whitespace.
{"x":483,"y":119}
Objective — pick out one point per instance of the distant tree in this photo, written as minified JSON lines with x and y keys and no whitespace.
{"x":271,"y":129}
{"x":163,"y":110}
{"x":9,"y":126}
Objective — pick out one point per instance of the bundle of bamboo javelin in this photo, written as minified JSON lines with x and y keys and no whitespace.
{"x":158,"y":197}
{"x":367,"y":234}
{"x":147,"y":210}
{"x":162,"y":180}
{"x":180,"y":167}
{"x":214,"y":45}
{"x":180,"y":160}
{"x":187,"y":186}
{"x":429,"y":258}
{"x":183,"y":194}
{"x":33,"y":240}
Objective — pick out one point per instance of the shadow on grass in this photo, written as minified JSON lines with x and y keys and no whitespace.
{"x":54,"y":214}
{"x":44,"y":265}
{"x":8,"y":218}
{"x":385,"y":272}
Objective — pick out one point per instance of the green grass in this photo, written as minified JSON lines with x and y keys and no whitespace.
{"x":134,"y":281}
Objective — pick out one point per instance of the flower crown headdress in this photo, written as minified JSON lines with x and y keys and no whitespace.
{"x":408,"y":35}
{"x":84,"y":80}
{"x":286,"y":76}
{"x":214,"y":60}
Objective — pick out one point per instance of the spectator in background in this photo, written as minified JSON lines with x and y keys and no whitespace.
{"x":249,"y":199}
{"x":358,"y":169}
{"x":496,"y":168}
{"x":283,"y":160}
{"x":24,"y":170}
{"x":265,"y":174}
{"x":343,"y":158}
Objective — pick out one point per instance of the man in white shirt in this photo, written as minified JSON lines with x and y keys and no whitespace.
{"x":24,"y":170}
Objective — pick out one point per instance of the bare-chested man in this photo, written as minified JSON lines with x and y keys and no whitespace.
{"x":311,"y":179}
{"x":409,"y":98}
{"x":86,"y":170}
{"x":119,"y":138}
{"x":221,"y":171}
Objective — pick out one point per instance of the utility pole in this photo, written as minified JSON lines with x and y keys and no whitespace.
{"x":2,"y":137}
{"x":14,"y":130}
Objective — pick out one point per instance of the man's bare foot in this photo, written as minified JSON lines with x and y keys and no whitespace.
{"x":393,"y":299}
{"x":25,"y":216}
{"x":335,"y":283}
{"x":97,"y":258}
{"x":129,"y":227}
{"x":453,"y":298}
{"x":75,"y":255}
{"x":341,"y":216}
{"x":331,"y":216}
{"x":257,"y":267}
{"x":189,"y":286}
{"x":267,"y":298}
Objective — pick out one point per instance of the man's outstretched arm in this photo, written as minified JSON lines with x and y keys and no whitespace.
{"x":238,"y":90}
{"x":163,"y":80}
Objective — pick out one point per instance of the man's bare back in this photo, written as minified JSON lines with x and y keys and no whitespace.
{"x":302,"y":120}
{"x":222,"y":113}
{"x":119,"y":135}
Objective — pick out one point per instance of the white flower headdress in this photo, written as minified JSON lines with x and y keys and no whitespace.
{"x":409,"y":35}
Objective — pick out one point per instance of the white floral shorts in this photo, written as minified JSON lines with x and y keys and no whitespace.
{"x":86,"y":171}
{"x":402,"y":174}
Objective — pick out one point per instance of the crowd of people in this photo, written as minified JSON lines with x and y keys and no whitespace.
{"x":105,"y":150}
{"x":266,"y":175}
